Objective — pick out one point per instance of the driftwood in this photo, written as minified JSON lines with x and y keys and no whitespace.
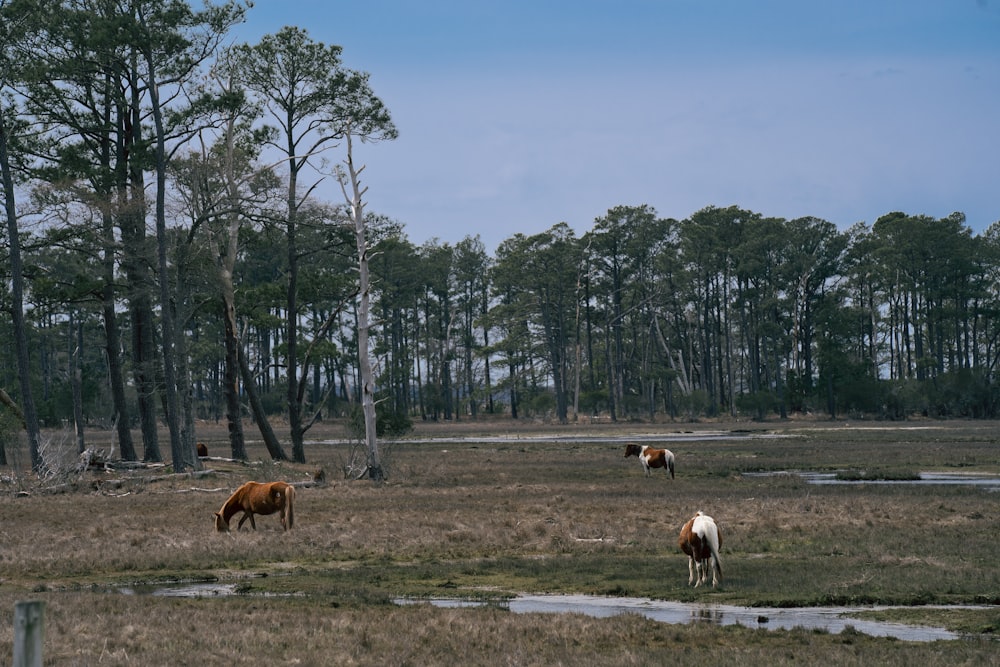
{"x":92,"y":459}
{"x":194,"y":474}
{"x":118,"y":483}
{"x":220,"y":489}
{"x":222,"y":459}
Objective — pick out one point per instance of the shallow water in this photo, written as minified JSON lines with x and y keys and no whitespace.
{"x":687,"y":436}
{"x":830,"y":619}
{"x":987,"y":481}
{"x":182,"y":590}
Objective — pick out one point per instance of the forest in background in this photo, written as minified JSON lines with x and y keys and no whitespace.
{"x":171,"y":261}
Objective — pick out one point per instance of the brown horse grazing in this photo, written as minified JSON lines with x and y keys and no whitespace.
{"x":258,"y":498}
{"x":651,"y":458}
{"x":202,"y":449}
{"x":700,"y":539}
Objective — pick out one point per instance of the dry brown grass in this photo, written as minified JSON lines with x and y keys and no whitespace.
{"x":487,"y":517}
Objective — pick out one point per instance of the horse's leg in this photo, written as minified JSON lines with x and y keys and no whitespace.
{"x":247,"y":514}
{"x":691,"y":570}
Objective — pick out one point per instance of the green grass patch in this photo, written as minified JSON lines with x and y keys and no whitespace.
{"x":983,"y":621}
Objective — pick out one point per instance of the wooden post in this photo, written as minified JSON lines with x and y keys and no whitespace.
{"x":29,"y":633}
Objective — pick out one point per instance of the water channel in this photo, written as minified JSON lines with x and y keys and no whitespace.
{"x":829,"y":619}
{"x":986,"y":481}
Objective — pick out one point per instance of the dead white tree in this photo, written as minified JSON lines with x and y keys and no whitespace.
{"x":350,"y":185}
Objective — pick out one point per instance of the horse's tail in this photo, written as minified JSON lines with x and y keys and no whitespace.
{"x":289,"y":512}
{"x":670,"y":464}
{"x":714,"y":543}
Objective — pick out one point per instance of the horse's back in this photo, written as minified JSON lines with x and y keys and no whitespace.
{"x":699,"y":535}
{"x":272,"y":495}
{"x":705,"y":525}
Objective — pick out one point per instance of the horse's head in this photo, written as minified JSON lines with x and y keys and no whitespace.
{"x":221,"y":524}
{"x":632,"y":449}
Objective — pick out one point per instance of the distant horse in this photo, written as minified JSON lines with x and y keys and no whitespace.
{"x":202,"y":449}
{"x":651,"y":458}
{"x":700,"y":539}
{"x":258,"y":498}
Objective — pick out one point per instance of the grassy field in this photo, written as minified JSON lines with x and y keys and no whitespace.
{"x":487,"y":510}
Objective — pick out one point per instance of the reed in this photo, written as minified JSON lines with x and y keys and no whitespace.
{"x":486,"y":519}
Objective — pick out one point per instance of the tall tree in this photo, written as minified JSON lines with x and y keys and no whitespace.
{"x":173,"y":41}
{"x":510,"y":315}
{"x":82,"y":84}
{"x":7,"y":136}
{"x":219,"y":188}
{"x":536,"y":277}
{"x":622,"y":248}
{"x":437,"y":296}
{"x":395,"y":272}
{"x":315,"y":101}
{"x":471,"y":267}
{"x":706,"y":240}
{"x":350,"y":183}
{"x":815,"y":257}
{"x":364,"y":116}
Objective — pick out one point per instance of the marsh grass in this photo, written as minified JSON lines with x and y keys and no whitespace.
{"x":122,"y":630}
{"x":488,"y":519}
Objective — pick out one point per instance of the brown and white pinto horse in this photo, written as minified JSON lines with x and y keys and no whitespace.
{"x":651,"y":458}
{"x":700,"y":539}
{"x":258,"y":498}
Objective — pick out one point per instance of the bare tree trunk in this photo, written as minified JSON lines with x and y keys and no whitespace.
{"x":185,"y":398}
{"x":231,"y":388}
{"x":75,"y":342}
{"x":227,"y":262}
{"x":17,"y":304}
{"x":137,"y":262}
{"x":112,"y":350}
{"x":260,"y":414}
{"x":354,"y":200}
{"x":182,"y":458}
{"x":109,"y":297}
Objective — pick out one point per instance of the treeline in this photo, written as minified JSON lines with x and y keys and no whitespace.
{"x":171,"y":261}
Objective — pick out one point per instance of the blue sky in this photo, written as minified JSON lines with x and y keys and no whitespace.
{"x":517,"y":115}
